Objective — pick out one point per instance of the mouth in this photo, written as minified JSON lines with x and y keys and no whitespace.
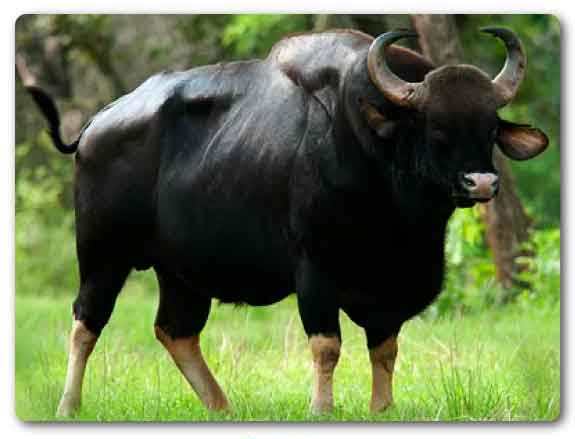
{"x":463,"y":201}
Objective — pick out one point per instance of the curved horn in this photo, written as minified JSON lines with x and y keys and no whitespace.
{"x":507,"y":82}
{"x":395,"y":89}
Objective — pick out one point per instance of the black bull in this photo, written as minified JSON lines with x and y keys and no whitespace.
{"x":317,"y":170}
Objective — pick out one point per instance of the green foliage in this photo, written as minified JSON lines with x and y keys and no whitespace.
{"x":543,"y":270}
{"x":203,"y":34}
{"x":469,"y":281}
{"x":253,"y":35}
{"x":470,"y":284}
{"x":44,"y":229}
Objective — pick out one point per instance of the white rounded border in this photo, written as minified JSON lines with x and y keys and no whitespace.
{"x":12,"y":427}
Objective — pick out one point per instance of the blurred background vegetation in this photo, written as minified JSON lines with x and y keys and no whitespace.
{"x":86,"y":61}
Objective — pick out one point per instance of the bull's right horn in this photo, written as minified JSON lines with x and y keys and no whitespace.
{"x":395,"y":89}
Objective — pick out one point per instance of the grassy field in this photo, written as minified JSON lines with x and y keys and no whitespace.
{"x":501,"y":365}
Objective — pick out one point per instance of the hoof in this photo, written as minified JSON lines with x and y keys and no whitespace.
{"x":321,"y":409}
{"x":220,"y":407}
{"x":379,"y":406}
{"x":67,"y":408}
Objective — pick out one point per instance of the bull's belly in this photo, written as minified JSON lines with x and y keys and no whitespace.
{"x":239,"y":263}
{"x":238,"y":282}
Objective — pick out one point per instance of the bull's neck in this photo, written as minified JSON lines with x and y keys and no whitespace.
{"x":390,"y":178}
{"x":360,"y":163}
{"x":415,"y":199}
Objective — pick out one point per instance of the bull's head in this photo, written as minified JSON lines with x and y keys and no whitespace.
{"x":457,"y":106}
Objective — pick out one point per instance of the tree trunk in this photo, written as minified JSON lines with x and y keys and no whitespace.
{"x":506,"y":223}
{"x":438,"y":38}
{"x":332,"y":21}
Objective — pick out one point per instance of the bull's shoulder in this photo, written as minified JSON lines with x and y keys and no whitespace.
{"x":317,"y":59}
{"x":320,"y":44}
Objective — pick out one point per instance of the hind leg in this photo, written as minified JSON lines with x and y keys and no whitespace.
{"x":180,"y":319}
{"x":92,"y":309}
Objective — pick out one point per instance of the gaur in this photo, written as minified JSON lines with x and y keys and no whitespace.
{"x":328,"y":169}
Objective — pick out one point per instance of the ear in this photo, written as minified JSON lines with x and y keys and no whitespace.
{"x":383,"y":127}
{"x":520,"y":142}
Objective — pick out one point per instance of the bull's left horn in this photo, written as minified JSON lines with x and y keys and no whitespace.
{"x":507,"y":82}
{"x":395,"y":89}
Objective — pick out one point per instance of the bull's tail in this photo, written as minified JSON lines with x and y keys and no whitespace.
{"x":48,"y":108}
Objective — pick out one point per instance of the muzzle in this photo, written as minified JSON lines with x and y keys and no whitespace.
{"x":479,"y":186}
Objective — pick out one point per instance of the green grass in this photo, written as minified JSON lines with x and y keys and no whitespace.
{"x":498,"y":365}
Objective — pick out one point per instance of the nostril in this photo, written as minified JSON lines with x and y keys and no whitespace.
{"x":468,"y":181}
{"x":495,"y":181}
